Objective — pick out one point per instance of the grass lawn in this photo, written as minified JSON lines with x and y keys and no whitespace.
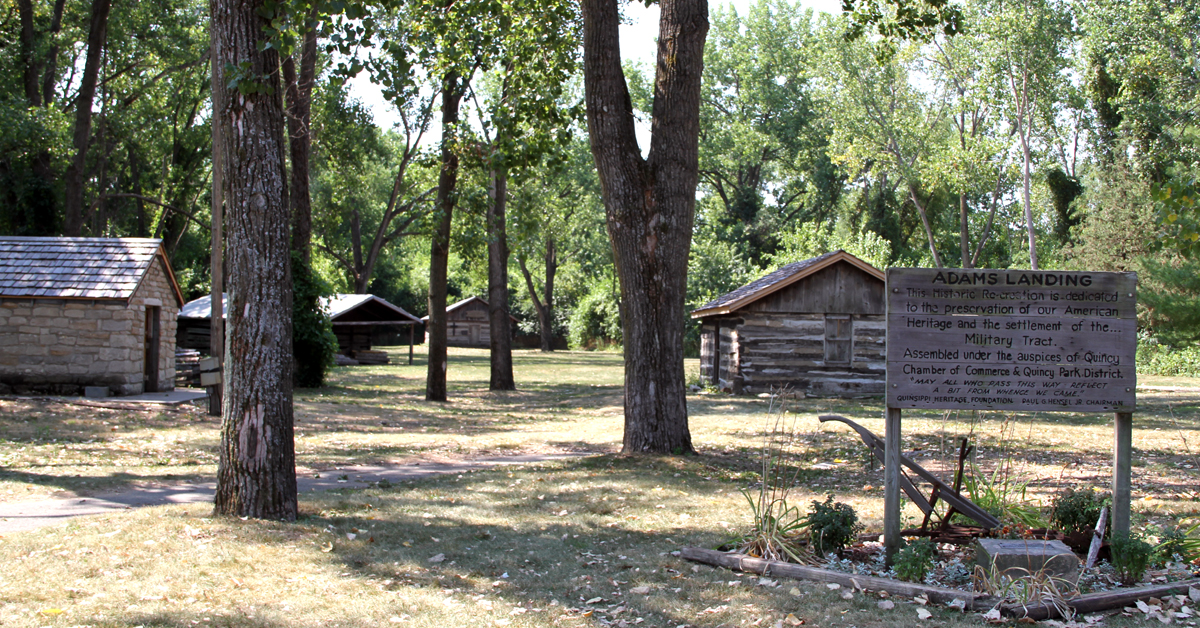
{"x":585,"y":542}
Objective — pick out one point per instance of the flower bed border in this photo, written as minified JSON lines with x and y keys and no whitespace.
{"x":1090,"y":603}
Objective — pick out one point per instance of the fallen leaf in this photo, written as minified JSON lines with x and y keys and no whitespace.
{"x":1026,"y":620}
{"x":921,"y":599}
{"x":993,"y":616}
{"x":640,"y":590}
{"x":792,"y":620}
{"x":923,"y":613}
{"x":796,"y":591}
{"x":1194,"y":593}
{"x":437,"y":558}
{"x":846,"y":595}
{"x":886,"y":605}
{"x":833,"y":586}
{"x":960,"y":604}
{"x":52,"y":611}
{"x":594,"y":600}
{"x":328,"y":548}
{"x":351,"y":536}
{"x":1142,"y":606}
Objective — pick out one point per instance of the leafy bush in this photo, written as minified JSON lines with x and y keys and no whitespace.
{"x":831,"y":526}
{"x":1131,"y":555}
{"x":1077,"y":510}
{"x":1154,"y":358}
{"x":914,"y":560}
{"x":1177,"y":543}
{"x":596,"y":320}
{"x":313,"y":342}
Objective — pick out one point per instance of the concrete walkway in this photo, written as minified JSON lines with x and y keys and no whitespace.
{"x":16,"y":517}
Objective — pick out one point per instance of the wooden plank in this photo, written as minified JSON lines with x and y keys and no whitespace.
{"x":1122,"y":462}
{"x":1101,"y":601}
{"x":891,"y":484}
{"x":742,"y":562}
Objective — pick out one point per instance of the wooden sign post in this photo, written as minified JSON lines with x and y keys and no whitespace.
{"x":1028,"y":340}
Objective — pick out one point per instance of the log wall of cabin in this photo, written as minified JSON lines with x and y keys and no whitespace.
{"x":780,"y":351}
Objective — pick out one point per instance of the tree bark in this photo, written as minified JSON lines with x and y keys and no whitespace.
{"x":299,"y":118}
{"x":439,"y":250}
{"x":499,"y":323}
{"x":256,"y":475}
{"x":650,"y":208}
{"x":73,"y":198}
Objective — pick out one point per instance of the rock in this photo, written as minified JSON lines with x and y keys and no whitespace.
{"x":1022,"y":557}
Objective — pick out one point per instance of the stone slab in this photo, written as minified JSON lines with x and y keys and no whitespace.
{"x":1022,"y":557}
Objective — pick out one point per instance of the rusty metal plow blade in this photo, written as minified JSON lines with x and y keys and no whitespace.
{"x":940,"y":490}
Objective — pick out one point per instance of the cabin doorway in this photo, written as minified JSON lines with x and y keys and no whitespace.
{"x":153,"y":340}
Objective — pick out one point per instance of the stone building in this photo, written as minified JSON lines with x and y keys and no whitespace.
{"x":79,"y":312}
{"x":815,"y":327}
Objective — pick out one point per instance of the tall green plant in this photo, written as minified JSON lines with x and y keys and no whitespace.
{"x":776,"y":522}
{"x":313,"y":342}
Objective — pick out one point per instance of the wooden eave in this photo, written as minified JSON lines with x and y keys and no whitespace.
{"x":840,"y":256}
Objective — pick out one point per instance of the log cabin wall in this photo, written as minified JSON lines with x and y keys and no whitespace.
{"x":467,"y":325}
{"x":823,"y":336}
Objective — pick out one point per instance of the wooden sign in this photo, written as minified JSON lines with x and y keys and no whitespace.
{"x":1011,"y":340}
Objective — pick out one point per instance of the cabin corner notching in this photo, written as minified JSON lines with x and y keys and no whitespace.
{"x":816,"y":327}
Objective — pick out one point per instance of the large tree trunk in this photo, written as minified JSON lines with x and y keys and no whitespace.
{"x":650,"y":208}
{"x":256,"y":476}
{"x":299,"y":104}
{"x":439,"y":250}
{"x":97,"y":36}
{"x":499,"y":323}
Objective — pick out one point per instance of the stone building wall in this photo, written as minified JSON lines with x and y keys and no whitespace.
{"x":59,"y":346}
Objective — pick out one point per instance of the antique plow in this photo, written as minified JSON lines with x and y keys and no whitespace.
{"x":940,"y":489}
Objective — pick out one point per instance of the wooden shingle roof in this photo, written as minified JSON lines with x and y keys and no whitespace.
{"x":778,"y":280}
{"x":78,"y":268}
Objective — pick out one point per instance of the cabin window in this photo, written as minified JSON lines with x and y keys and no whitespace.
{"x":839,"y":334}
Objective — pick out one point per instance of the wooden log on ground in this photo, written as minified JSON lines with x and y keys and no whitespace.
{"x":938,"y":595}
{"x":1100,"y":601}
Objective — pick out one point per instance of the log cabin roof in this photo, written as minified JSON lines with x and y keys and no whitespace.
{"x":464,"y":303}
{"x":780,"y":279}
{"x":79,"y":268}
{"x":342,"y":309}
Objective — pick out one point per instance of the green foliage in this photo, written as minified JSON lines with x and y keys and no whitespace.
{"x":313,"y":342}
{"x":831,"y":526}
{"x":1155,"y":358}
{"x":1131,"y":556}
{"x":776,"y":523}
{"x":1170,"y":296}
{"x":1003,"y":496}
{"x":1077,"y":510}
{"x":1178,"y":543}
{"x":810,"y":240}
{"x":914,"y":561}
{"x":596,"y":320}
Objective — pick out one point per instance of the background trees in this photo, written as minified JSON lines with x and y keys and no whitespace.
{"x":1061,"y":132}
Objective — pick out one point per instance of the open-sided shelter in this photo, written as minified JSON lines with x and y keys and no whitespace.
{"x":815,"y":327}
{"x":83,"y":312}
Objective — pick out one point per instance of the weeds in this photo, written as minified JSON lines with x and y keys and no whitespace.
{"x":1025,"y":587}
{"x":831,"y":526}
{"x":1131,"y":556}
{"x":776,"y":523}
{"x":914,"y":561}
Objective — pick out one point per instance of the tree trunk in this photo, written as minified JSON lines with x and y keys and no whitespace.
{"x":1033,"y":259}
{"x":256,"y":475}
{"x":439,"y":250}
{"x":546,"y":312}
{"x":73,"y":198}
{"x":299,"y":117}
{"x":499,"y":323}
{"x":964,"y":238}
{"x":650,"y":208}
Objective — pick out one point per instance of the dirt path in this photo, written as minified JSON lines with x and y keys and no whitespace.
{"x":20,"y":516}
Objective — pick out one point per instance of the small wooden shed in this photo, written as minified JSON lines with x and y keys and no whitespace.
{"x":816,"y":327}
{"x":467,"y":324}
{"x":86,"y":312}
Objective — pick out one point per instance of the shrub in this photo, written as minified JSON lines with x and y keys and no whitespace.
{"x":1177,"y":543}
{"x":1077,"y":510}
{"x":1130,"y":557}
{"x":914,"y":560}
{"x":313,"y":342}
{"x":1154,"y":358}
{"x":596,"y":321}
{"x":831,"y":526}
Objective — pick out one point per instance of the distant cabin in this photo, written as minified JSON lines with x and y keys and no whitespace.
{"x":86,"y":312}
{"x":816,"y":327}
{"x":357,"y":320}
{"x":467,"y":324}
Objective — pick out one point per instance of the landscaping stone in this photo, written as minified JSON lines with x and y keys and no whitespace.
{"x":1021,"y":557}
